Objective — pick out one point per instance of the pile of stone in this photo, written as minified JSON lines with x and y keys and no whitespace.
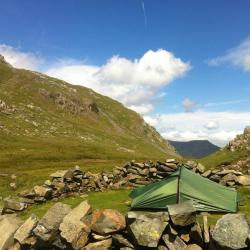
{"x":83,"y":229}
{"x":136,"y":174}
{"x":133,"y":174}
{"x":222,"y":175}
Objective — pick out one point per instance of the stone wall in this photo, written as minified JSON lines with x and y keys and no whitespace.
{"x":133,"y":174}
{"x":81,"y":228}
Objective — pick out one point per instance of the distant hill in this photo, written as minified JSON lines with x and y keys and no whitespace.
{"x":44,"y":120}
{"x":195,"y":148}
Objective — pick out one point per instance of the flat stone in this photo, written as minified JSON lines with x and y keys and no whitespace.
{"x":170,"y":160}
{"x":207,"y":173}
{"x":62,"y":174}
{"x":206,"y":234}
{"x":193,"y":247}
{"x":99,"y":245}
{"x":215,"y":178}
{"x":192,"y":164}
{"x":229,"y":171}
{"x":244,"y":180}
{"x":147,"y":216}
{"x":182,"y":214}
{"x":153,"y":170}
{"x":231,"y":231}
{"x":147,"y":228}
{"x":25,"y":230}
{"x":100,"y":237}
{"x":139,"y":165}
{"x":14,"y":205}
{"x":173,"y":242}
{"x":201,"y":168}
{"x":42,"y":191}
{"x":106,"y":221}
{"x":230,"y":177}
{"x":121,"y":240}
{"x":73,"y":226}
{"x":8,"y":226}
{"x":50,"y":222}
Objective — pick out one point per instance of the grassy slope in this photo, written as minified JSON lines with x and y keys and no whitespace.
{"x":222,"y":157}
{"x":40,"y":132}
{"x":43,"y":135}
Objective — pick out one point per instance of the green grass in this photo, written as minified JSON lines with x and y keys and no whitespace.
{"x":109,"y":199}
{"x":119,"y":199}
{"x":28,"y":177}
{"x":222,"y":157}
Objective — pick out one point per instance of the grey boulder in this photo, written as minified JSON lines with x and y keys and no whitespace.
{"x":25,"y":230}
{"x":173,"y":242}
{"x":147,"y":227}
{"x":231,"y":231}
{"x":73,"y":229}
{"x":8,"y":226}
{"x":182,"y":214}
{"x":48,"y":226}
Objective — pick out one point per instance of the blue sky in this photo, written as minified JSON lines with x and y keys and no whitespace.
{"x":168,"y":60}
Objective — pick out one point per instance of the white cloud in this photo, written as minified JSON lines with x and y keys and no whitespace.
{"x":239,"y":56}
{"x":225,"y":103}
{"x":194,"y":126}
{"x":211,"y":125}
{"x":135,"y":83}
{"x":189,"y":105}
{"x":142,"y":109}
{"x":21,"y":59}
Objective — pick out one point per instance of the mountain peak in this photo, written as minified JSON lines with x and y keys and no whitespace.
{"x":194,"y":148}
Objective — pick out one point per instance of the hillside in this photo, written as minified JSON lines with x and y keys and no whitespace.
{"x":46,"y":121}
{"x":235,"y":154}
{"x":195,"y":148}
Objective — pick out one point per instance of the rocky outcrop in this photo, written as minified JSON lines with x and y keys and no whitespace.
{"x":241,"y":142}
{"x":6,"y":109}
{"x":72,"y":105}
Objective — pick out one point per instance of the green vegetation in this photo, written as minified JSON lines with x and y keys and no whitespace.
{"x":47,"y":124}
{"x":28,"y":177}
{"x":222,"y":157}
{"x":58,"y":123}
{"x":118,"y":199}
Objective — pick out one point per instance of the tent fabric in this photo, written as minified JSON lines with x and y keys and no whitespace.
{"x":185,"y":185}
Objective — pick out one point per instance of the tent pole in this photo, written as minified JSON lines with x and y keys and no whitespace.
{"x":178,"y":186}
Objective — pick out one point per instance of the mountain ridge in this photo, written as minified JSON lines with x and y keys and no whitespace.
{"x":38,"y":110}
{"x":194,"y":148}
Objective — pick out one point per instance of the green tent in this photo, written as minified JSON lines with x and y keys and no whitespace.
{"x":185,"y":185}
